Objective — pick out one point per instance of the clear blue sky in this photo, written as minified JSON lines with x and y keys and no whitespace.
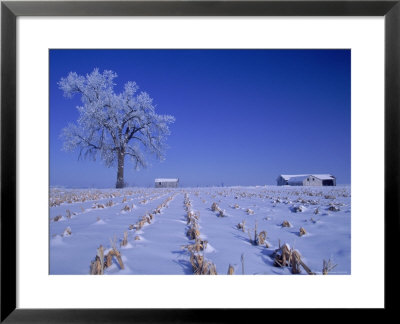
{"x":242,"y":116}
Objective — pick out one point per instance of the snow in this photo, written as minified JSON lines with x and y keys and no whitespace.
{"x":160,"y":249}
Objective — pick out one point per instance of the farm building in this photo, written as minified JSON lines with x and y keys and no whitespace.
{"x":166,"y":183}
{"x":306,"y":180}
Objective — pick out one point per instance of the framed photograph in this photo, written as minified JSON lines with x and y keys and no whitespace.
{"x":194,"y":234}
{"x":162,"y":158}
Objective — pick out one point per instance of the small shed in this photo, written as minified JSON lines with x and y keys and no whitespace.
{"x":166,"y":183}
{"x":320,"y":180}
{"x":306,"y":180}
{"x":283,"y":179}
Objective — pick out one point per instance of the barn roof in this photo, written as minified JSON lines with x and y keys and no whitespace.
{"x":166,"y":180}
{"x":323,"y":176}
{"x":289,"y":176}
{"x":298,"y":177}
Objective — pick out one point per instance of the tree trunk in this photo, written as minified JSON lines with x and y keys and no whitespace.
{"x":120,"y":172}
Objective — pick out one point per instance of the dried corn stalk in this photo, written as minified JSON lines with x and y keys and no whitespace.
{"x":249,"y":211}
{"x":193,"y":233}
{"x":199,"y":245}
{"x":214,"y":207}
{"x":97,"y":266}
{"x":68,"y":214}
{"x":327,"y":266}
{"x":285,"y":257}
{"x":109,"y":203}
{"x":201,"y":266}
{"x":221,"y":213}
{"x":125,"y":239}
{"x":282,"y":256}
{"x":114,"y":253}
{"x":126,"y":208}
{"x":296,"y":262}
{"x":67,"y":231}
{"x":334,"y":208}
{"x":261,"y":237}
{"x":241,"y":225}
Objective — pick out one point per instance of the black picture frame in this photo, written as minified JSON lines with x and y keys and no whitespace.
{"x":10,"y":10}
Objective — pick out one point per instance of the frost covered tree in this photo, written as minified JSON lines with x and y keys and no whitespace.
{"x":112,"y":126}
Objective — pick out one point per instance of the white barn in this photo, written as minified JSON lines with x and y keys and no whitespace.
{"x":306,"y":180}
{"x":166,"y":183}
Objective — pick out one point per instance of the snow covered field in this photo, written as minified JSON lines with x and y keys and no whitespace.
{"x":157,"y":222}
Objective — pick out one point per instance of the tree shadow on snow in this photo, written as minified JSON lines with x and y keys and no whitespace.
{"x":295,"y":233}
{"x":181,"y":251}
{"x":243,"y":238}
{"x":268,"y":261}
{"x":185,"y":265}
{"x":268,"y":257}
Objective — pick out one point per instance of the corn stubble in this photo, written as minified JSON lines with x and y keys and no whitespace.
{"x":327,"y":266}
{"x":241,"y":226}
{"x":57,"y":218}
{"x":258,"y":238}
{"x":197,"y":246}
{"x":202,"y":266}
{"x":214,"y":207}
{"x":125,"y":239}
{"x":102,"y":262}
{"x":287,"y":257}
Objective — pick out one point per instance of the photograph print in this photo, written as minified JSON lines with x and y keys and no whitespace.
{"x":199,"y":162}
